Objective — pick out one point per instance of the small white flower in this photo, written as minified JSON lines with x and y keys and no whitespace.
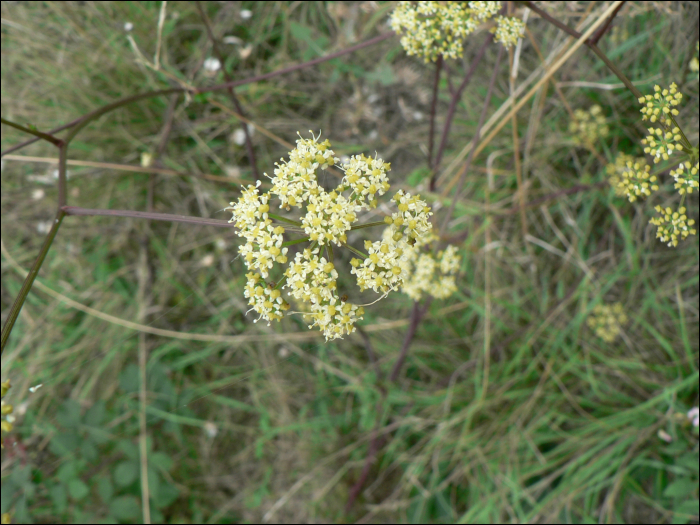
{"x":211,"y":429}
{"x":212,"y":64}
{"x":207,"y":261}
{"x":238,"y":137}
{"x":694,"y":416}
{"x":38,"y":194}
{"x":44,"y":226}
{"x":128,"y":26}
{"x":246,"y":14}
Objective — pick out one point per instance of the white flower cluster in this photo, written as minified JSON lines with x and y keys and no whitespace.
{"x":265,"y":299}
{"x":428,"y":274}
{"x":366,"y":177}
{"x":430,"y":29}
{"x":326,"y":217}
{"x":295,"y":181}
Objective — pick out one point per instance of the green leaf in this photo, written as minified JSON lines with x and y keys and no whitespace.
{"x":67,"y":472}
{"x":129,"y":379}
{"x":126,"y":472}
{"x":105,"y":489}
{"x":95,"y":415}
{"x":129,"y":449}
{"x":89,"y":452}
{"x":59,"y":497}
{"x":167,"y":494}
{"x":691,"y":507}
{"x":68,"y":415}
{"x":154,"y":482}
{"x":64,"y":444}
{"x":77,"y":489}
{"x":161,"y":460}
{"x":125,"y":508}
{"x":680,"y":488}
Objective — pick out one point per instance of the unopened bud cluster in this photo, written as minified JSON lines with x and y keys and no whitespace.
{"x":607,"y":321}
{"x":660,"y":108}
{"x":631,"y":178}
{"x":589,"y":126}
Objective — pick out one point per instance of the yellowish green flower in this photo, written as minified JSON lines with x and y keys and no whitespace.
{"x":672,"y":225}
{"x":631,"y":178}
{"x":430,"y":29}
{"x":686,"y":177}
{"x":589,"y":126}
{"x":693,"y":66}
{"x":660,"y":108}
{"x":661,"y":104}
{"x":607,"y":321}
{"x":424,"y":273}
{"x":6,"y":410}
{"x":508,"y":30}
{"x":326,"y":218}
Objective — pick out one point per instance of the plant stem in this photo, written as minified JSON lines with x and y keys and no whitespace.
{"x":73,"y":210}
{"x":31,"y":131}
{"x":355,"y":251}
{"x":456,"y":96}
{"x":475,"y":141}
{"x":433,"y":108}
{"x":368,"y":225}
{"x":27,"y":285}
{"x":284,"y":219}
{"x":295,"y":241}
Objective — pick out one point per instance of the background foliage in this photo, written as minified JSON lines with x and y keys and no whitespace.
{"x":509,"y":408}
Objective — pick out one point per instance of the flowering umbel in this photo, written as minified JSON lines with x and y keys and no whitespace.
{"x":665,"y":140}
{"x":607,"y":321}
{"x":430,"y":29}
{"x":326,"y":217}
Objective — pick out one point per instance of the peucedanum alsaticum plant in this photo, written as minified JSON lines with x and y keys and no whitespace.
{"x":325,"y":219}
{"x":607,"y":320}
{"x":666,"y":142}
{"x":589,"y":126}
{"x":430,"y":29}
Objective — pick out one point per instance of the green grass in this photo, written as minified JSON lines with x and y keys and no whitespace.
{"x":508,"y":408}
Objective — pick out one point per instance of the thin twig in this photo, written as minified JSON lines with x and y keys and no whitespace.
{"x":595,"y":38}
{"x":32,"y":131}
{"x":200,"y":221}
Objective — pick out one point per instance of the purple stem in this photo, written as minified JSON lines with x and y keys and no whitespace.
{"x":456,"y":96}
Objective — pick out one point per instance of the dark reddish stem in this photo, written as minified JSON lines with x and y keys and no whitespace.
{"x":456,"y":96}
{"x":595,"y":37}
{"x":417,"y":314}
{"x":475,"y":141}
{"x":168,"y":217}
{"x":433,"y":107}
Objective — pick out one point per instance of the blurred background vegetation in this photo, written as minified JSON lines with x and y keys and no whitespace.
{"x":509,"y":407}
